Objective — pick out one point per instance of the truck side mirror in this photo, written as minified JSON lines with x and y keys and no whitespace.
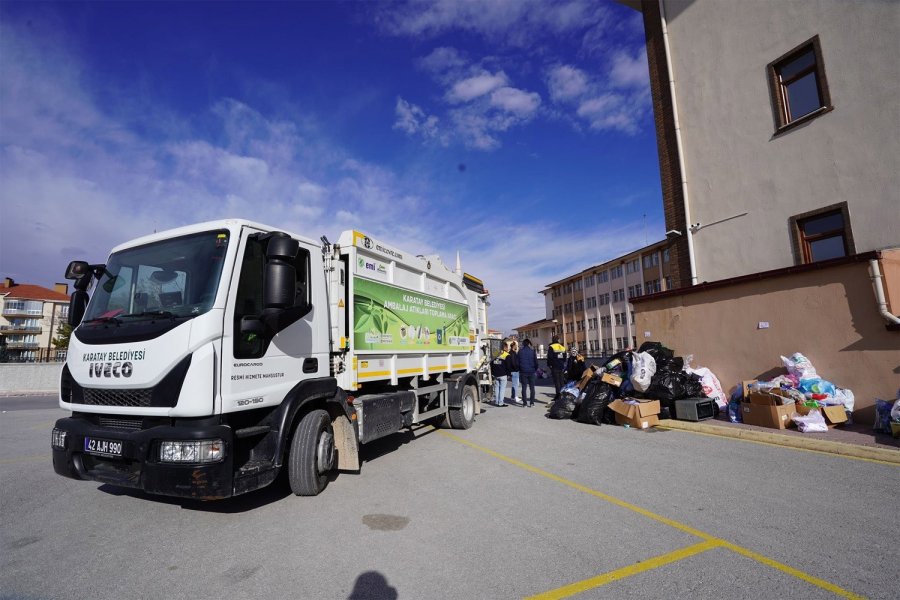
{"x":80,"y":272}
{"x":281,"y":275}
{"x":77,"y":306}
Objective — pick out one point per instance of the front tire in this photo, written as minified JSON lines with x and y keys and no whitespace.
{"x":312,"y":454}
{"x":464,"y":416}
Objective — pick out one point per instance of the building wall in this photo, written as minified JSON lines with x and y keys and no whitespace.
{"x":828,"y":314}
{"x":735,"y":163}
{"x":31,"y":345}
{"x":564,"y":294}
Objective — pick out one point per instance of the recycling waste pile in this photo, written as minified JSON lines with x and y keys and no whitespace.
{"x":636,"y":389}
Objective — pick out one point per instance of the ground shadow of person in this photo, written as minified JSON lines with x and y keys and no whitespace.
{"x":372,"y":585}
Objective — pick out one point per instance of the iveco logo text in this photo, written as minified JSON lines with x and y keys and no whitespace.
{"x":110,"y":369}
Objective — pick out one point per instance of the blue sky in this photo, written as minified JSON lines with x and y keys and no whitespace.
{"x":517,"y":133}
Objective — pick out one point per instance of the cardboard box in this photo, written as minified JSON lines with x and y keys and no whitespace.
{"x":588,"y":375}
{"x":771,"y":415}
{"x":745,"y":385}
{"x":612,"y":379}
{"x":834,"y":415}
{"x":640,"y":416}
{"x":773,"y":397}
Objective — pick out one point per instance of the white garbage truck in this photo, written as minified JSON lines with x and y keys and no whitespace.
{"x":210,"y":358}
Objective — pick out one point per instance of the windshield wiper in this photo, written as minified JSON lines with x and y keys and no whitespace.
{"x":164,"y":314}
{"x":105,"y":320}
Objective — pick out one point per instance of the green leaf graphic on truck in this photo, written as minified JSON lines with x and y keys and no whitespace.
{"x":391,"y":318}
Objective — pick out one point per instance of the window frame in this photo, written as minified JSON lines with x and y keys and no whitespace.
{"x":777,"y":87}
{"x":802,"y":253}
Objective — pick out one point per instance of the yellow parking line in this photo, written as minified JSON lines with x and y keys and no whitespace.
{"x":639,"y":567}
{"x":659,"y":518}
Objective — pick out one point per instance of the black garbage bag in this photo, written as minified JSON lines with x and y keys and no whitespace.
{"x":660,"y":353}
{"x":563,"y":407}
{"x":597,"y":395}
{"x":666,"y":385}
{"x":693,"y":386}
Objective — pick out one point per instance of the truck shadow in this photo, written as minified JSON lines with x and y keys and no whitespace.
{"x":278,"y":490}
{"x":378,"y":448}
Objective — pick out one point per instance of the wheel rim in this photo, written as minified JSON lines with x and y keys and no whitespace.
{"x":468,"y":406}
{"x":325,"y":452}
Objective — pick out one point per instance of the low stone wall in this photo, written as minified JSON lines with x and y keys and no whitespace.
{"x":29,"y":377}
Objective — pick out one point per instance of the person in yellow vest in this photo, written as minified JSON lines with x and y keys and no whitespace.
{"x":557,"y":358}
{"x":500,"y":372}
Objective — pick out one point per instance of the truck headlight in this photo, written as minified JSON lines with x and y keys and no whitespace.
{"x":195,"y":451}
{"x":58,"y":439}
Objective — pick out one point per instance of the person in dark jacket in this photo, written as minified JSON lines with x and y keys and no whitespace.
{"x":500,"y":373}
{"x":527,"y":371}
{"x":557,"y":360}
{"x":515,"y":392}
{"x":576,"y":368}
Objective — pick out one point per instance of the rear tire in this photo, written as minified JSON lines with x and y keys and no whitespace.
{"x":312,"y":454}
{"x":464,"y":416}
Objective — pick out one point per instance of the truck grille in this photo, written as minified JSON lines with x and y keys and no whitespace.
{"x":121,"y":423}
{"x":118,"y":397}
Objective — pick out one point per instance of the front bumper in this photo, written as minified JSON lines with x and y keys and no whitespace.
{"x":139,"y":466}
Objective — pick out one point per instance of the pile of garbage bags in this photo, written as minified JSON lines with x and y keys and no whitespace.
{"x":651,"y":373}
{"x":807,"y":388}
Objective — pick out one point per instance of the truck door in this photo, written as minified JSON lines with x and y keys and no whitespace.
{"x":258,"y":372}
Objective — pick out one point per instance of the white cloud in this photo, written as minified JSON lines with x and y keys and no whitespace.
{"x":413,"y":120}
{"x":519,"y":102}
{"x":441,"y":60}
{"x":611,"y":111}
{"x":566,"y":83}
{"x":474,"y":87}
{"x":518,"y":23}
{"x":630,"y":71}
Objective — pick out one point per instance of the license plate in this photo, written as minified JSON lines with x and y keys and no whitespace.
{"x":102,"y":447}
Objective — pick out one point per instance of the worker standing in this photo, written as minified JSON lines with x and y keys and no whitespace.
{"x":557,"y":361}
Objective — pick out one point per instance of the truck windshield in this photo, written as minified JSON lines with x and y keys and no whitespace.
{"x":175,"y":278}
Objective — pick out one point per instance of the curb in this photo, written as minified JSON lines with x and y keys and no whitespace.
{"x":839,"y":448}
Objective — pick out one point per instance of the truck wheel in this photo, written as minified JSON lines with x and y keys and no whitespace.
{"x":464,"y":416}
{"x":311,"y":456}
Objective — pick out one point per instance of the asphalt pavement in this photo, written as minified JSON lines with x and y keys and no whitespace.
{"x":518,"y":506}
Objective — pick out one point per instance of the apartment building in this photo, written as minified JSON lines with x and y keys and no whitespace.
{"x":30,"y":316}
{"x":592,"y":310}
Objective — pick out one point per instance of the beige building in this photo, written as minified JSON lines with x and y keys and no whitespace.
{"x":777,"y":127}
{"x":592,"y":310}
{"x":30,"y":316}
{"x":780,"y":166}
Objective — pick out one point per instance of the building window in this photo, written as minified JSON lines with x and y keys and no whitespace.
{"x":798,"y":84}
{"x":823,"y":234}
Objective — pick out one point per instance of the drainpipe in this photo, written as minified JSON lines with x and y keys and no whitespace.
{"x":684,"y":183}
{"x":875,"y":274}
